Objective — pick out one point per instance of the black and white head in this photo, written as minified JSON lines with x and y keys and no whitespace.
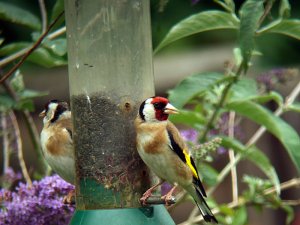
{"x":156,"y":109}
{"x":53,"y":111}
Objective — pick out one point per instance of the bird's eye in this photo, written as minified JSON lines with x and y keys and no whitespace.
{"x":158,"y":105}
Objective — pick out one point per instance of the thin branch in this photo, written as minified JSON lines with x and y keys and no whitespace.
{"x":43,"y":15}
{"x":257,"y":135}
{"x":14,"y":56}
{"x":20,"y":53}
{"x":35,"y":46}
{"x":6,"y":154}
{"x":266,"y":12}
{"x":57,"y":33}
{"x":295,"y":182}
{"x":295,"y":202}
{"x":34,"y":134}
{"x":221,"y":103}
{"x":234,"y":181}
{"x":20,"y":148}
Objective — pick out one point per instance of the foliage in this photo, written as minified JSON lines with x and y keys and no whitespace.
{"x":212,"y":95}
{"x":213,"y":105}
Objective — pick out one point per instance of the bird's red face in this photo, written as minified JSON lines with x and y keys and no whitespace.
{"x":156,"y":109}
{"x":159,"y":104}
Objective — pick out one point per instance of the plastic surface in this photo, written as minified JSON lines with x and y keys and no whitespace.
{"x":110,"y":74}
{"x":156,"y":215}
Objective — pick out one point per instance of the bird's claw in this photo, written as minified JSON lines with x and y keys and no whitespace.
{"x":168,"y":199}
{"x":146,"y":195}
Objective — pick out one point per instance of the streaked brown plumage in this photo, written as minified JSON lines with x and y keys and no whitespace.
{"x":163,"y":150}
{"x":56,"y":139}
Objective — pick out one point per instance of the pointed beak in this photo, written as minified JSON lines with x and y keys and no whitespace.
{"x":169,"y":109}
{"x":43,"y":113}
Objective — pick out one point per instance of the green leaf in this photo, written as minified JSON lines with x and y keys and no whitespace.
{"x":57,"y":46}
{"x":204,"y":21}
{"x":289,"y":28}
{"x":275,"y":125}
{"x":230,"y":4}
{"x":240,"y":216}
{"x":290,"y":213}
{"x":17,"y":82}
{"x":208,"y":173}
{"x":192,"y":86}
{"x":245,"y":88}
{"x":14,"y":47}
{"x":25,"y":104}
{"x":43,"y":57}
{"x":28,"y":94}
{"x":57,"y":9}
{"x":262,"y":161}
{"x":6,"y":103}
{"x":294,"y":107}
{"x":284,"y":9}
{"x":250,"y":13}
{"x":40,"y":56}
{"x":272,"y":95}
{"x":15,"y":14}
{"x":189,"y":118}
{"x":255,"y":156}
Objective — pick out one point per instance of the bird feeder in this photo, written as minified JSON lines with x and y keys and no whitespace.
{"x":110,"y":74}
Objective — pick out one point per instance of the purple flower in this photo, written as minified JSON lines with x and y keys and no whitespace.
{"x":10,"y":177}
{"x":189,"y":135}
{"x":165,"y":188}
{"x":40,"y":204}
{"x":270,"y":78}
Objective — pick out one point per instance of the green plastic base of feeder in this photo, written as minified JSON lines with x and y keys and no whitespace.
{"x":155,"y":215}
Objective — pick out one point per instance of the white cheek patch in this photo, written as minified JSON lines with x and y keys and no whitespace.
{"x":149,"y":112}
{"x":51,"y":109}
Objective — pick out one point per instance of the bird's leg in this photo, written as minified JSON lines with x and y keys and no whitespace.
{"x":168,"y":197}
{"x":148,"y":193}
{"x":69,"y":198}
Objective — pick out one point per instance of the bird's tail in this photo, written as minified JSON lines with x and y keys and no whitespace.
{"x":204,"y":208}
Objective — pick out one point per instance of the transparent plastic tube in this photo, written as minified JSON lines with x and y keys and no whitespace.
{"x":110,"y":74}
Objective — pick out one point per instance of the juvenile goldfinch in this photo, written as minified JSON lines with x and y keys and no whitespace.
{"x":56,"y":140}
{"x":163,"y":150}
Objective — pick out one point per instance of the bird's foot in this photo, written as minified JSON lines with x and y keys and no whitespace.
{"x":69,"y":199}
{"x":169,"y":198}
{"x":146,"y":195}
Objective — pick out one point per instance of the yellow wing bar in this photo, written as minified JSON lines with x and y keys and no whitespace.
{"x":189,"y":163}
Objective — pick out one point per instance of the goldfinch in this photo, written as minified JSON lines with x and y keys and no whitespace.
{"x":56,"y":141}
{"x":163,"y":150}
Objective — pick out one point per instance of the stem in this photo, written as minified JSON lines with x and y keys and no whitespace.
{"x":257,"y":135}
{"x":223,"y":5}
{"x":35,"y":46}
{"x":34,"y":134}
{"x":20,"y":148}
{"x":6,"y":154}
{"x":295,"y":182}
{"x":234,"y":181}
{"x":18,"y":54}
{"x":221,"y":103}
{"x":44,"y":15}
{"x":266,"y":12}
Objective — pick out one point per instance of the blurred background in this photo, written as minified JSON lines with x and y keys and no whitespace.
{"x":208,"y":51}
